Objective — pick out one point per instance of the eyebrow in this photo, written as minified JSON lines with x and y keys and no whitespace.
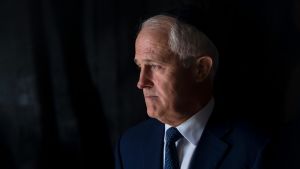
{"x":157,"y":59}
{"x":149,"y":61}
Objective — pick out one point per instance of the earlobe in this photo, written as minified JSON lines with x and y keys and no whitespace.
{"x":203,"y":68}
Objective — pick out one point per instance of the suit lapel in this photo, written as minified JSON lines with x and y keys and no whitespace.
{"x":211,"y":148}
{"x":153,"y":149}
{"x":209,"y":152}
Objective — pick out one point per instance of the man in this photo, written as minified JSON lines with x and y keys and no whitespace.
{"x":177,"y":65}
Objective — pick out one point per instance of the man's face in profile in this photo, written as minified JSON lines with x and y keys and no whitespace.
{"x":167,"y":86}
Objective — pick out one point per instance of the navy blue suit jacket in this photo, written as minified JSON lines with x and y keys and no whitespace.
{"x":224,"y":144}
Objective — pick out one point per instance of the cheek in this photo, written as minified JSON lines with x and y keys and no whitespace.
{"x":165,"y":88}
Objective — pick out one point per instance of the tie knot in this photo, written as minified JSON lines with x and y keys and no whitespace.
{"x":173,"y":135}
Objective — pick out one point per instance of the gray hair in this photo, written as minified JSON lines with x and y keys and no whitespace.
{"x":185,"y":40}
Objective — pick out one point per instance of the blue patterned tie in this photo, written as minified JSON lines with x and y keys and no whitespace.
{"x":171,"y":156}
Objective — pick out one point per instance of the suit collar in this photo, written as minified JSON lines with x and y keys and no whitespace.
{"x":193,"y":128}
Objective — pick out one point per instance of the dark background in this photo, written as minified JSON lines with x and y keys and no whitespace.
{"x":68,"y":80}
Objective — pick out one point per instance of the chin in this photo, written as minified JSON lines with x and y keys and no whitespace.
{"x":152,"y":113}
{"x":156,"y":115}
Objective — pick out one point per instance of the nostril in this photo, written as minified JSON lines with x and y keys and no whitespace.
{"x":139,"y":85}
{"x":144,"y":83}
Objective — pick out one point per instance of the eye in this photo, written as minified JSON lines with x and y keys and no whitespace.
{"x":155,"y":66}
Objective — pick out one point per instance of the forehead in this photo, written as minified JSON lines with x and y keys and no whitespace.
{"x":152,"y":45}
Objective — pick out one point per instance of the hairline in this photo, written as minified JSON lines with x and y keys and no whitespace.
{"x":171,"y":24}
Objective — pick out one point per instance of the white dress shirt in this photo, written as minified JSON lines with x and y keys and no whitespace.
{"x":191,"y":130}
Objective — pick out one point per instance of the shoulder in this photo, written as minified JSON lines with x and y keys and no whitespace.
{"x":238,"y":129}
{"x":246,"y":129}
{"x":136,"y":143}
{"x":250,"y":139}
{"x":247,"y":140}
{"x":141,"y":131}
{"x":134,"y":140}
{"x":238,"y":132}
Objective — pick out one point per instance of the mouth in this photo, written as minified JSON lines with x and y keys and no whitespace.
{"x":150,"y":97}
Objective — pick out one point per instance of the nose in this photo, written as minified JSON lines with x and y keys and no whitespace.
{"x":145,"y":79}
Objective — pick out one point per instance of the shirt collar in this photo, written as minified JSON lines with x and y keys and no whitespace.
{"x":192,"y":128}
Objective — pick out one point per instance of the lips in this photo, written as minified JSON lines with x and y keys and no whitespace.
{"x":150,"y":97}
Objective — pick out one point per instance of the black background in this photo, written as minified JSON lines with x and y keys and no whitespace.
{"x":68,"y":80}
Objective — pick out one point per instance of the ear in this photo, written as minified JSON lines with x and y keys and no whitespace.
{"x":203,"y":67}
